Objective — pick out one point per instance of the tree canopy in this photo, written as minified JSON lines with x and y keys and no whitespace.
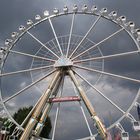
{"x":20,"y":115}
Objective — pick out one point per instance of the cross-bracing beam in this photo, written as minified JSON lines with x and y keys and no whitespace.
{"x":101,"y":129}
{"x":34,"y":118}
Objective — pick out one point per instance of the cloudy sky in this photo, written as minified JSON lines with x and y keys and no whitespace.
{"x":121,"y":92}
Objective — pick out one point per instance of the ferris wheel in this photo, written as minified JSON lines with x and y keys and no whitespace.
{"x":80,"y":66}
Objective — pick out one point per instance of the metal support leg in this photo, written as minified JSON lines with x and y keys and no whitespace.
{"x":101,"y":129}
{"x":34,"y":119}
{"x":42,"y":120}
{"x":46,"y":111}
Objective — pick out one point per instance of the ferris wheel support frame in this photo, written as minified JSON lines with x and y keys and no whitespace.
{"x":100,"y":127}
{"x":34,"y":118}
{"x":46,"y":111}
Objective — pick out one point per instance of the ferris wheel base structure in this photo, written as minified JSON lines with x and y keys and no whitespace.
{"x":33,"y":121}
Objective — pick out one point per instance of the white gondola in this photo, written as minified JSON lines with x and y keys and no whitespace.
{"x":21,"y":28}
{"x":65,"y":9}
{"x":8,"y":42}
{"x":37,"y":17}
{"x":75,"y":8}
{"x":29,"y":22}
{"x":94,"y":9}
{"x":131,"y":26}
{"x":1,"y":54}
{"x":138,"y":34}
{"x":4,"y":49}
{"x":85,"y":8}
{"x":113,"y":15}
{"x":14,"y":34}
{"x":122,"y":19}
{"x":103,"y":11}
{"x":136,"y":126}
{"x":55,"y":11}
{"x":46,"y":13}
{"x":124,"y":136}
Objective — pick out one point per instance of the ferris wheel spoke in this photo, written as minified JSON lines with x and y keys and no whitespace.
{"x":88,"y":126}
{"x":74,"y":43}
{"x":55,"y":36}
{"x":93,"y":87}
{"x":93,"y":25}
{"x":30,"y":55}
{"x":57,"y":110}
{"x":54,"y":45}
{"x":109,"y":74}
{"x":71,"y":30}
{"x":107,"y":56}
{"x":55,"y":121}
{"x":42,"y":44}
{"x":27,"y":70}
{"x":62,"y":42}
{"x":83,"y":112}
{"x":29,"y":86}
{"x":97,"y":44}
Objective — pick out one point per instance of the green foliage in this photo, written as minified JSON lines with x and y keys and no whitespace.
{"x":20,"y":115}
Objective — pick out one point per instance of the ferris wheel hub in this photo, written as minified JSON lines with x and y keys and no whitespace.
{"x":63,"y":61}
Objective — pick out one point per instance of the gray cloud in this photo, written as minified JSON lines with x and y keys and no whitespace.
{"x":14,"y":13}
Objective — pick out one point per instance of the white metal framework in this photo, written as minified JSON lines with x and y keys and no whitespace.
{"x":78,"y":58}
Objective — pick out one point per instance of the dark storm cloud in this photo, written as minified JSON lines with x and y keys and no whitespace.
{"x":17,"y":12}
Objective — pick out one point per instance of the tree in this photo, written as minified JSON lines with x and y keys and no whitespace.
{"x":20,"y":115}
